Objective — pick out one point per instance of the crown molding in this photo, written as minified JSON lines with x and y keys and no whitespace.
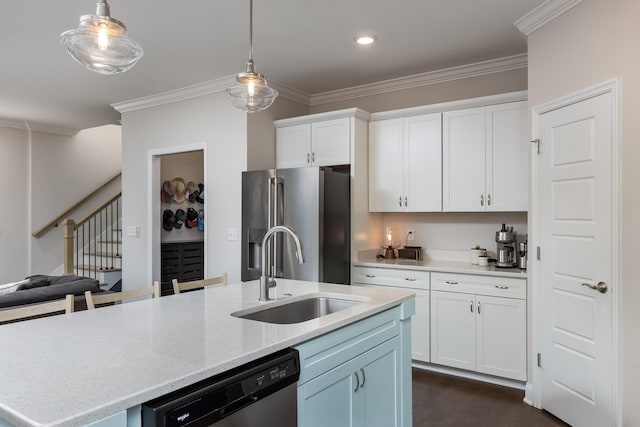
{"x":37,"y":127}
{"x":291,"y":93}
{"x":188,"y":92}
{"x":541,"y":15}
{"x":423,"y":79}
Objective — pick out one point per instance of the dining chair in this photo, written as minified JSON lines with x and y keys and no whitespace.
{"x":39,"y":309}
{"x":196,"y":284}
{"x":111,"y":297}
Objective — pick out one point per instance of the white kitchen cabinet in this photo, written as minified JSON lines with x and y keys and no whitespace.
{"x":322,"y":143}
{"x":478,"y":323}
{"x":418,"y":282}
{"x":485,"y":158}
{"x":405,"y":164}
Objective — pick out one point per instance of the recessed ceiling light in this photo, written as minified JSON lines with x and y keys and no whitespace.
{"x":365,"y":39}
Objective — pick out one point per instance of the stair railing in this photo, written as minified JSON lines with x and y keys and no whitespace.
{"x":94,"y":242}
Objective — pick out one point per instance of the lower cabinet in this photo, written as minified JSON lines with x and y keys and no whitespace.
{"x":418,"y":282}
{"x":359,"y":375}
{"x":360,"y":392}
{"x":478,"y":323}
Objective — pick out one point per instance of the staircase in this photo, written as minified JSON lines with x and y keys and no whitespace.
{"x":93,"y":247}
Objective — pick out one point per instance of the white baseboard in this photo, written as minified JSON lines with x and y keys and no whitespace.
{"x":470,"y":375}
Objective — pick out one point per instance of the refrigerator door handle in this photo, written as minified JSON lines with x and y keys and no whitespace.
{"x":278,"y":211}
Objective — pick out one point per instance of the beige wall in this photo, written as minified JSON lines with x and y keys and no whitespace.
{"x":593,"y":42}
{"x":472,"y":87}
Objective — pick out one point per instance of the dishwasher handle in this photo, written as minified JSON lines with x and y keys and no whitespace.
{"x":237,"y":405}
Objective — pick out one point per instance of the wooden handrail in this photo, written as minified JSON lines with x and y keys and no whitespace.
{"x":95,"y":212}
{"x":62,"y":216}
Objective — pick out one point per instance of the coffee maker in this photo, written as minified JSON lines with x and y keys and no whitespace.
{"x":506,"y":254}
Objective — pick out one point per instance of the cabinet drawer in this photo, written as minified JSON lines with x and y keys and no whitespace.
{"x":328,"y":351}
{"x":399,"y":278}
{"x":480,"y":285}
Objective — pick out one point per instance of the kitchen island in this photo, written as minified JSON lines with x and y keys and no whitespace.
{"x":88,"y":366}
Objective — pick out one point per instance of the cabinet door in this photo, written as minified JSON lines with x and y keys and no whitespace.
{"x":330,"y":399}
{"x":501,"y":345}
{"x":379,"y":390}
{"x":453,"y":336}
{"x":386,"y":166}
{"x":293,"y":146}
{"x":463,"y":160}
{"x":330,"y":142}
{"x":423,"y":163}
{"x":507,"y":157}
{"x":420,"y":327}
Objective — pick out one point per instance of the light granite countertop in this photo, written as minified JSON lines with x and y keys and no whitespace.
{"x":440,"y":266}
{"x":78,"y":368}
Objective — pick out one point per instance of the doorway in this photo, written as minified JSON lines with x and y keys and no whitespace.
{"x":177,"y":205}
{"x":576,"y":273}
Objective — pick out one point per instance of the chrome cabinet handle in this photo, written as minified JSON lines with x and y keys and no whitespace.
{"x":600,"y":287}
{"x":488,"y":199}
{"x":357,"y":382}
{"x":405,"y":201}
{"x":482,"y":200}
{"x":370,"y":275}
{"x":501,"y":287}
{"x":471,"y":306}
{"x":308,"y":159}
{"x":410,"y":279}
{"x":451,"y":283}
{"x":313,"y":156}
{"x":400,"y":201}
{"x":363,"y":378}
{"x":478,"y":307}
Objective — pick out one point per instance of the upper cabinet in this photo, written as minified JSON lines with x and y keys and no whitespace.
{"x":485,"y":158}
{"x":405,"y":172}
{"x":323,"y":139}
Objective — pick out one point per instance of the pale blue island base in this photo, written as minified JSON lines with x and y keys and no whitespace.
{"x":355,"y":363}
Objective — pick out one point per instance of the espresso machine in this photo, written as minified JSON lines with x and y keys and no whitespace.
{"x":506,"y":253}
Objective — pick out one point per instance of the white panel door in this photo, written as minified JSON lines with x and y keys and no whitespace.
{"x":507,"y":157}
{"x":293,"y":145}
{"x":463,"y":160}
{"x":330,"y":142}
{"x":575,"y":189}
{"x":423,"y":163}
{"x":386,"y":166}
{"x":420,"y":327}
{"x":453,"y":329}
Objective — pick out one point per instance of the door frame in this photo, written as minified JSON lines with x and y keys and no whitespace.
{"x":154,"y":186}
{"x":533,"y":390}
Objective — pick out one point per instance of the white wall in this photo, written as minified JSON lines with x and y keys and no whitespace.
{"x":14,"y":209}
{"x":64,"y":170}
{"x":212,"y":123}
{"x":593,"y":42}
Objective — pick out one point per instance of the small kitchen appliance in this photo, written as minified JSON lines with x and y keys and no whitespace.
{"x":522,"y":251}
{"x":410,"y":252}
{"x":506,"y":254}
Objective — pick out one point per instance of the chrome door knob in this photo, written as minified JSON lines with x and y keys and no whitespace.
{"x":600,"y":287}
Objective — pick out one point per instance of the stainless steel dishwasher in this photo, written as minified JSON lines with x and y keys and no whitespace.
{"x":260,"y":393}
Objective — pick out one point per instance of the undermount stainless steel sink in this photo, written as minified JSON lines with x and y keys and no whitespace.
{"x":298,"y":311}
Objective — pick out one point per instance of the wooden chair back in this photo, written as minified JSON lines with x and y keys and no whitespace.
{"x":196,"y":284}
{"x":32,"y":310}
{"x":107,"y":298}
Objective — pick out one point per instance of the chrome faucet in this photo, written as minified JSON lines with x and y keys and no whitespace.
{"x":265,"y":282}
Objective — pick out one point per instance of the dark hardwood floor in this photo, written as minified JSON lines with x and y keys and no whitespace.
{"x":445,"y":400}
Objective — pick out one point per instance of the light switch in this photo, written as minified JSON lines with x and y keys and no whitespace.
{"x":133,"y":231}
{"x":233,"y":234}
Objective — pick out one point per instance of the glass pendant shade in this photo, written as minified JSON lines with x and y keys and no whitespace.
{"x":251,"y":92}
{"x":101,"y":44}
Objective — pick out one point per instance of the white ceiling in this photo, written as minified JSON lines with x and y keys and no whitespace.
{"x":302,"y":44}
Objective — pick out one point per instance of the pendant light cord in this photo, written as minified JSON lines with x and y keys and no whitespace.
{"x":251,"y":30}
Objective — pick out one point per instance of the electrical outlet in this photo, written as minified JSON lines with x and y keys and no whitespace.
{"x":410,"y":234}
{"x":233,"y":234}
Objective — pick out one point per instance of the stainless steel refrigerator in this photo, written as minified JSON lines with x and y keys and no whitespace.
{"x":316,"y":203}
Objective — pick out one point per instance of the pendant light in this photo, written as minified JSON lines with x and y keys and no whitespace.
{"x":251,"y":92}
{"x":101,"y":44}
